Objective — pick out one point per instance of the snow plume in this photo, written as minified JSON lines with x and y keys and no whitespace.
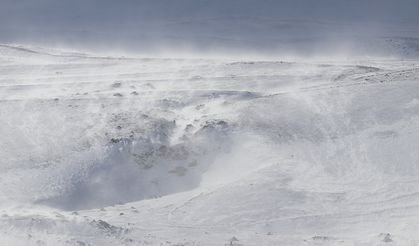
{"x":92,"y":156}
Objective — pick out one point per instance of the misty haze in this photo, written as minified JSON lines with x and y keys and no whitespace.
{"x":209,"y":122}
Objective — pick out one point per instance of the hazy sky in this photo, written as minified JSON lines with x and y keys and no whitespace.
{"x":141,"y":23}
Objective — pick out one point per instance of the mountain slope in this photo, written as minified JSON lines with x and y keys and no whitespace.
{"x":164,"y":151}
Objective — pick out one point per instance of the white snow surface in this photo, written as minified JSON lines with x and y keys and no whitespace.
{"x":164,"y":151}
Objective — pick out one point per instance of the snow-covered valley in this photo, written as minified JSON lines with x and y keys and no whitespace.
{"x":162,"y":151}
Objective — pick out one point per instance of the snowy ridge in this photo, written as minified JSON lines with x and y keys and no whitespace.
{"x":154,"y":151}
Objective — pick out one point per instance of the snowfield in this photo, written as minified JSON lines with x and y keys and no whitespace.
{"x":163,"y":151}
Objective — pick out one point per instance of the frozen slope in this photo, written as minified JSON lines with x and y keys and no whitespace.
{"x":121,"y":151}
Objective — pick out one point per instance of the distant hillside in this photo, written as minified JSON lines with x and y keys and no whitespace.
{"x":301,"y":27}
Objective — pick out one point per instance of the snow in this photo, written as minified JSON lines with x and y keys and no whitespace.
{"x":185,"y":151}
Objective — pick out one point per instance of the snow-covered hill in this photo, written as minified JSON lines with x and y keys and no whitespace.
{"x":162,"y":151}
{"x":286,"y":27}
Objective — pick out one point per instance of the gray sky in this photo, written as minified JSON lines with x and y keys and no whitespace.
{"x":141,"y":24}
